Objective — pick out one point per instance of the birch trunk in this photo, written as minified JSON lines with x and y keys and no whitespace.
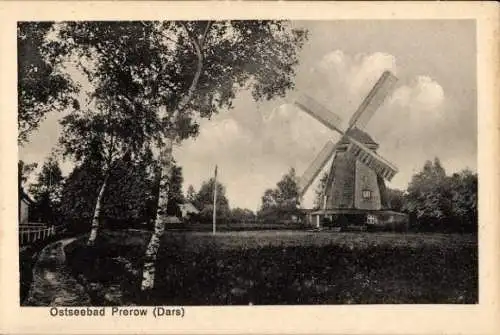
{"x":156,"y":193}
{"x":148,"y":274}
{"x":166,"y":166}
{"x":97,"y":213}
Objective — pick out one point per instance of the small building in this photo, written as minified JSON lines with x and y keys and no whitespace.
{"x":29,"y":231}
{"x":188,"y":210}
{"x":25,"y":202}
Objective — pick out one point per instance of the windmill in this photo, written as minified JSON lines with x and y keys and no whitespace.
{"x":356,"y":181}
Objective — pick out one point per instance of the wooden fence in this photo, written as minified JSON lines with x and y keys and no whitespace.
{"x":33,"y":232}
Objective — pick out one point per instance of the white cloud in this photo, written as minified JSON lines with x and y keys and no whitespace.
{"x":354,"y":74}
{"x":423,"y":94}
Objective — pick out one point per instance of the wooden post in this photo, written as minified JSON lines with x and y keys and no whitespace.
{"x":215,"y":202}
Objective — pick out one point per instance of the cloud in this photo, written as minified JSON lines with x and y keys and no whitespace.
{"x":423,"y":94}
{"x":220,"y":133}
{"x":352,"y":75}
{"x":415,"y":110}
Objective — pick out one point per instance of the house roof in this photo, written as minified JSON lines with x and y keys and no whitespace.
{"x":172,"y":219}
{"x":189,"y":208}
{"x":24,"y":196}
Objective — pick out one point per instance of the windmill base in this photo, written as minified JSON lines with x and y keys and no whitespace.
{"x":356,"y":219}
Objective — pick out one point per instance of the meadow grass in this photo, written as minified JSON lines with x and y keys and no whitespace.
{"x":284,"y":267}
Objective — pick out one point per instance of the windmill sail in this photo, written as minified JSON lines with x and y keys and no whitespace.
{"x":373,"y":100}
{"x":319,"y":112}
{"x":317,"y":165}
{"x":378,"y":164}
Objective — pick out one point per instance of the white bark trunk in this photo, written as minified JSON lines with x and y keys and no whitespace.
{"x":97,"y":213}
{"x":148,"y":275}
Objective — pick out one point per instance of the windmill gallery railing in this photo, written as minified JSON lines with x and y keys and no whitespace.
{"x":33,"y":232}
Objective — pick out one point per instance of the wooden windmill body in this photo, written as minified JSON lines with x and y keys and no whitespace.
{"x":355,"y":188}
{"x":351,"y":184}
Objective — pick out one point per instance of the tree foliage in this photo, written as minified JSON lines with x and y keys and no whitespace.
{"x":242,"y":215}
{"x":24,"y":171}
{"x":204,"y":201}
{"x":281,"y":202}
{"x":47,"y":192}
{"x":42,"y":87}
{"x":395,"y":199}
{"x":49,"y":182}
{"x":464,"y":188}
{"x":190,"y":194}
{"x":428,"y":194}
{"x":438,"y":201}
{"x":149,"y":66}
{"x":127,"y":199}
{"x":175,"y":195}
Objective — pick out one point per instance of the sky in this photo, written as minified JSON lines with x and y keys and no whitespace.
{"x":432,"y":112}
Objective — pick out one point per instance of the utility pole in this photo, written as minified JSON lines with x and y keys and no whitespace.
{"x":215,"y":202}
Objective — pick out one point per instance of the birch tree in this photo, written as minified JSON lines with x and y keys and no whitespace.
{"x":120,"y":121}
{"x":177,"y":72}
{"x":221,"y":57}
{"x":105,"y":135}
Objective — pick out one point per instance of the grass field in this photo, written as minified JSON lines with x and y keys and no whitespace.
{"x":282,"y":267}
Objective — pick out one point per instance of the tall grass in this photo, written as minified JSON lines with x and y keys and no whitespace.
{"x":286,"y":268}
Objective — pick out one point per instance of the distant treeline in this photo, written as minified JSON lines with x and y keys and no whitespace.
{"x":434,"y":200}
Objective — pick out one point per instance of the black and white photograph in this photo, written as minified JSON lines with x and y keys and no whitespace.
{"x":235,"y":162}
{"x":247,"y":162}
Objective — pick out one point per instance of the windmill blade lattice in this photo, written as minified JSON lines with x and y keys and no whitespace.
{"x":316,"y":166}
{"x":373,"y":100}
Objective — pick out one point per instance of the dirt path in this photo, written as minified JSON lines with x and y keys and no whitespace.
{"x":52,"y":283}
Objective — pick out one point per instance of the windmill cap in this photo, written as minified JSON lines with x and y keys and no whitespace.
{"x":359,"y":136}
